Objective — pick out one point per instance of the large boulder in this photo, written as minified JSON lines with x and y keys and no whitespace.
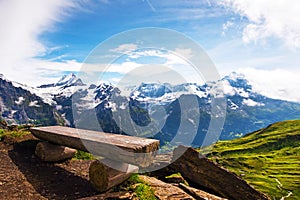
{"x":197,"y":169}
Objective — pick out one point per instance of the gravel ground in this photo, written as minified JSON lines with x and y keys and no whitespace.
{"x":24,"y":176}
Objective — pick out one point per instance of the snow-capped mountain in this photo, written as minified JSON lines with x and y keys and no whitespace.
{"x":66,"y":81}
{"x":21,"y":106}
{"x":155,"y":93}
{"x":232,"y":86}
{"x":246,"y":109}
{"x":66,"y":86}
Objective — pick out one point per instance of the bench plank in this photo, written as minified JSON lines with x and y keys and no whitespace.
{"x":116,"y":147}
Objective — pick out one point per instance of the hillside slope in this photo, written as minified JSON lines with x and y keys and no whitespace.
{"x":268,"y":159}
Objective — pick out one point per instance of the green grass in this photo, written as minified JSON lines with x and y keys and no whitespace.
{"x":177,"y":175}
{"x":82,"y":155}
{"x":268,"y":159}
{"x":174,"y":175}
{"x":142,"y":190}
{"x":13,"y":134}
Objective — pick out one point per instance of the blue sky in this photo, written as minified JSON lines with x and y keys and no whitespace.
{"x":42,"y":40}
{"x":82,"y":31}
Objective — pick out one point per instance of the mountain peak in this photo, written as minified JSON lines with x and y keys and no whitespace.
{"x":2,"y":77}
{"x":235,"y":76}
{"x":66,"y":81}
{"x":237,"y":80}
{"x":66,"y":78}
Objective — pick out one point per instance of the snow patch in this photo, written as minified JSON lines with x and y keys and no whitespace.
{"x":20,"y":100}
{"x":59,"y":107}
{"x":34,"y":104}
{"x":250,"y":102}
{"x":232,"y":105}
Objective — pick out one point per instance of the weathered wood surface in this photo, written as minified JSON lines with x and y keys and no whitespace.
{"x":129,"y":149}
{"x":103,"y":177}
{"x":53,"y":153}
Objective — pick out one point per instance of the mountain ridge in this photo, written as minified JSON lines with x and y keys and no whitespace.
{"x":246,"y":110}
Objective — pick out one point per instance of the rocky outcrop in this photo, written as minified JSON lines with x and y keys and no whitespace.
{"x":3,"y":124}
{"x":19,"y":106}
{"x":112,"y":195}
{"x":199,"y":194}
{"x":164,"y":190}
{"x":200,"y":171}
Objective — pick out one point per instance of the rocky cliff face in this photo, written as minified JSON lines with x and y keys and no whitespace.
{"x":20,"y":106}
{"x":208,"y":176}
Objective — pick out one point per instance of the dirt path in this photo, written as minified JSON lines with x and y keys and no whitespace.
{"x":23,"y":176}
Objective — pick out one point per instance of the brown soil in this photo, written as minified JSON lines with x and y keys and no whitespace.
{"x":24,"y":176}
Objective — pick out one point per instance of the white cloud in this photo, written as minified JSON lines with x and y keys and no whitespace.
{"x":176,"y":57}
{"x":122,"y":68}
{"x":125,"y":48}
{"x":21,"y":23}
{"x":234,"y":54}
{"x":269,"y":18}
{"x":184,"y":53}
{"x":278,"y":83}
{"x":35,"y":72}
{"x":226,"y":26}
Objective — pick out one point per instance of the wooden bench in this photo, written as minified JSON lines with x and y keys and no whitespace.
{"x":123,"y":154}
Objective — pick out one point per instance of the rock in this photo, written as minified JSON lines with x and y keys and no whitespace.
{"x":3,"y":124}
{"x":175,"y":178}
{"x":13,"y":127}
{"x":164,"y":190}
{"x":199,"y":194}
{"x":53,"y":153}
{"x":199,"y":170}
{"x":113,"y":195}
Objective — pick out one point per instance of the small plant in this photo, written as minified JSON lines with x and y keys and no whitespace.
{"x":82,"y":155}
{"x":1,"y":134}
{"x":142,"y":190}
{"x":174,"y":175}
{"x":179,"y":178}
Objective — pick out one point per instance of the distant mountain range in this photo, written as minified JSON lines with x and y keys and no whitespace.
{"x":51,"y":104}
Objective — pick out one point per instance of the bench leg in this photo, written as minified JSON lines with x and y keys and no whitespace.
{"x":53,"y":153}
{"x":104,"y":178}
